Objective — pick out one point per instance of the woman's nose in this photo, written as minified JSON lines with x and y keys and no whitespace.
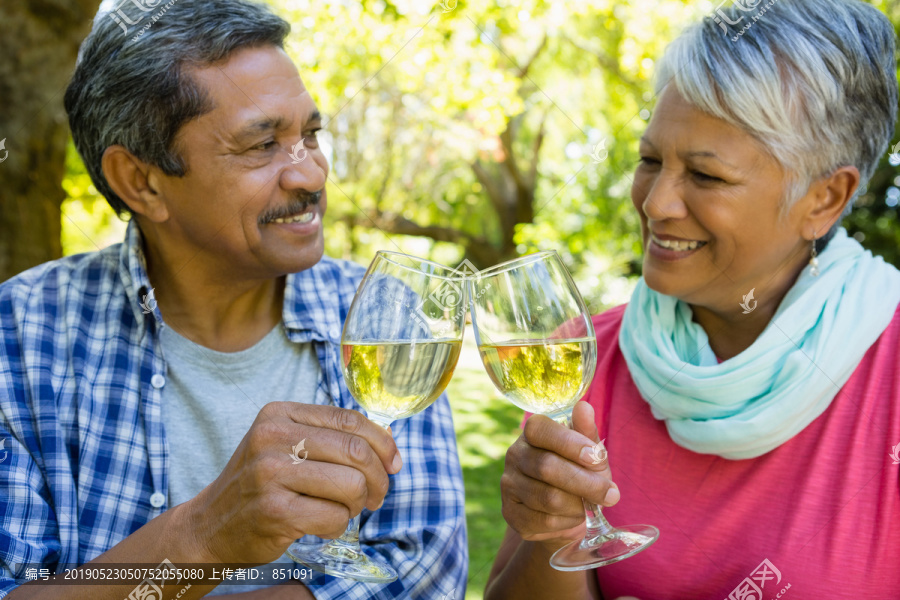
{"x":664,"y":198}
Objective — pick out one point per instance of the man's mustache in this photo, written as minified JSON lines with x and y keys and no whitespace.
{"x":298,"y":204}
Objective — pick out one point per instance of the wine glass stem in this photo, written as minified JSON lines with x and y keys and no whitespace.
{"x":597,"y":525}
{"x":349,"y":540}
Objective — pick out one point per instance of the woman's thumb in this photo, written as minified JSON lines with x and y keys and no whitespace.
{"x":583,"y":421}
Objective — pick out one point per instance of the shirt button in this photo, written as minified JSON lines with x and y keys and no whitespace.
{"x":157,"y":499}
{"x":157,"y":381}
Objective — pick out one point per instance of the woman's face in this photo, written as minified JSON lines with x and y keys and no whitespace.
{"x":708,"y":197}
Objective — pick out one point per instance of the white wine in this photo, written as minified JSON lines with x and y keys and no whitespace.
{"x":394,"y":380}
{"x":546,"y":377}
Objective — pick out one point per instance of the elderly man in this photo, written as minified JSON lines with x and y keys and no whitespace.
{"x":151,"y":393}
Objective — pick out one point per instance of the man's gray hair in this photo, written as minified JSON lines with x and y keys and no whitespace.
{"x":132,"y":85}
{"x":814,"y":81}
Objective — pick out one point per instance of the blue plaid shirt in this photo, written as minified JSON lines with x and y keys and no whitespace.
{"x":84,"y":446}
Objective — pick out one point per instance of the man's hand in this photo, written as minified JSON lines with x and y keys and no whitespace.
{"x":262,"y":502}
{"x":549,"y":469}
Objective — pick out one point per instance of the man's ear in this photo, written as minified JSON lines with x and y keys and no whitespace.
{"x":129,"y":178}
{"x":826,"y":200}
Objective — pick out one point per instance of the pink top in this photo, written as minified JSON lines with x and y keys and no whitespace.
{"x":823,"y":509}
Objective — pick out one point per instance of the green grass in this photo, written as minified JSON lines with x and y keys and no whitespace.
{"x":486,"y":425}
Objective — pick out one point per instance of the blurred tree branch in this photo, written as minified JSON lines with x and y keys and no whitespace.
{"x":611,"y":65}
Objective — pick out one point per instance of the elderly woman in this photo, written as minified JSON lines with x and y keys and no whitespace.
{"x":749,"y":392}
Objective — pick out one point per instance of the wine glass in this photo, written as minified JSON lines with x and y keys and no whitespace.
{"x":400,"y":344}
{"x":537,"y":343}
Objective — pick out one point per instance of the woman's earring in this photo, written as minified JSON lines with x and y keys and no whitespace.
{"x":813,"y":261}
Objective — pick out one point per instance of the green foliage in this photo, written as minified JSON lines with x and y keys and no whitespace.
{"x":88,"y":222}
{"x":874,"y":218}
{"x":405,"y":91}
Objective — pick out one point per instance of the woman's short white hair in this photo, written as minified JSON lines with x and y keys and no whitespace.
{"x":814,"y":81}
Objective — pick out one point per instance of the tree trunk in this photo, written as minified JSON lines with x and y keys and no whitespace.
{"x":39,"y":42}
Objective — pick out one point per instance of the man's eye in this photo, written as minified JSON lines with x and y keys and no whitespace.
{"x":264,"y":145}
{"x":648,"y":162}
{"x":311,"y":135}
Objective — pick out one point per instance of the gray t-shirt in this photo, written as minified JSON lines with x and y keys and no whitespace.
{"x":211,"y":399}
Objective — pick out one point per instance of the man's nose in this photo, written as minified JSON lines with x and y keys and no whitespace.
{"x":302,"y":171}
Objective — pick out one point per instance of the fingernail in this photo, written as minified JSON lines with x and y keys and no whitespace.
{"x":398,"y":462}
{"x":593,"y":455}
{"x":612,"y":496}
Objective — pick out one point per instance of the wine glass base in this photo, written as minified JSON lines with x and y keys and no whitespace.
{"x":342,"y":561}
{"x":604,"y":550}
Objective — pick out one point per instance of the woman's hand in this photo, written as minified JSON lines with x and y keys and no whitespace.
{"x":549,"y":469}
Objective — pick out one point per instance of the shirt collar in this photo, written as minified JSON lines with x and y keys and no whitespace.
{"x":311,"y":300}
{"x":133,"y":271}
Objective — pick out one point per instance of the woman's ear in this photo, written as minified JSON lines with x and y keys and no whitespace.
{"x":130,"y":178}
{"x":826,"y":200}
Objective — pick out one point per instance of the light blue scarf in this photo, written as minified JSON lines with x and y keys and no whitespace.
{"x":764,"y":396}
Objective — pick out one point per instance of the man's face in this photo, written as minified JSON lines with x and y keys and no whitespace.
{"x":246,"y":206}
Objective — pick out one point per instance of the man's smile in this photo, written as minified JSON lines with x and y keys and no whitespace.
{"x":306,"y":217}
{"x":298,"y":211}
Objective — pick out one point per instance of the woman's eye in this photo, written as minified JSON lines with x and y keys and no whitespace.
{"x":311,"y":135}
{"x":705,"y":177}
{"x":648,"y":162}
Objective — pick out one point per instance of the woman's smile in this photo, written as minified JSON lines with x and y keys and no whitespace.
{"x":667,"y":247}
